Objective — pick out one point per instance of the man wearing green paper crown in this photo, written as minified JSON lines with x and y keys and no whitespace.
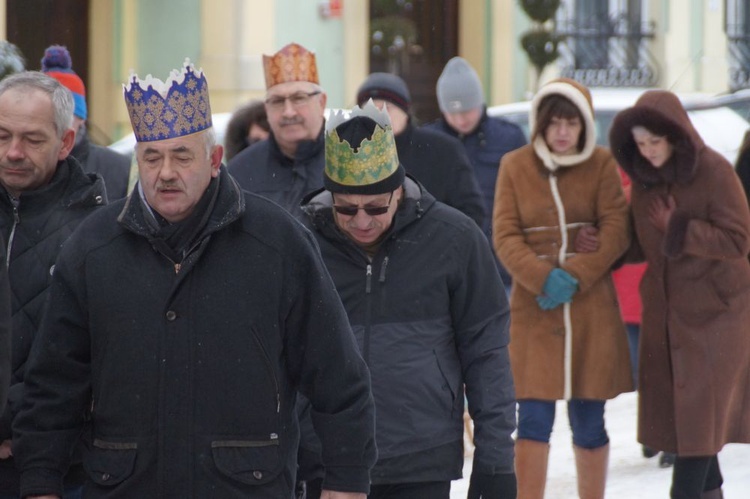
{"x":182,"y":323}
{"x":429,"y":318}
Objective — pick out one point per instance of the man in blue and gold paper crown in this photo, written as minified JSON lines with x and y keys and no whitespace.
{"x":182,"y":322}
{"x":429,"y":316}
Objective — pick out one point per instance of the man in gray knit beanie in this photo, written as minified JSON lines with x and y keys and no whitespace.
{"x":458,"y":88}
{"x":485,"y":138}
{"x":460,"y":95}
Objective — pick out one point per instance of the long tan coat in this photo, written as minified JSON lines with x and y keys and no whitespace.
{"x":528,"y":239}
{"x":694,"y":379}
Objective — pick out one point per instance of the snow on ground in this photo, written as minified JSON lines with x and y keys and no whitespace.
{"x":630,"y":474}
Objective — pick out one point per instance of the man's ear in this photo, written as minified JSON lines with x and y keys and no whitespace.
{"x":216,"y":156}
{"x":323,"y":100}
{"x":68,"y":141}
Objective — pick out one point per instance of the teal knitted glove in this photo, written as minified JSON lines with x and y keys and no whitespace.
{"x":547,"y":303}
{"x":560,"y":286}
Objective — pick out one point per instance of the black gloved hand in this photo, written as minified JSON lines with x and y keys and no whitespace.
{"x":499,"y":486}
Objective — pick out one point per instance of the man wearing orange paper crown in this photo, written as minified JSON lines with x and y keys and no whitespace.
{"x":181,"y":324}
{"x":429,"y":318}
{"x":289,"y":164}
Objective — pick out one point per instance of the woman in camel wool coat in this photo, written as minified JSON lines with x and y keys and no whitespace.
{"x":567,"y":342}
{"x":692,"y":225}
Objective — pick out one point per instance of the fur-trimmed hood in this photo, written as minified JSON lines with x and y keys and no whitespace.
{"x":660,"y":112}
{"x":580,"y":96}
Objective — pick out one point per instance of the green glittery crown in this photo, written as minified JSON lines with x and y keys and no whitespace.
{"x":369,"y":162}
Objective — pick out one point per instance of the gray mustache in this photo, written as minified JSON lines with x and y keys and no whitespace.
{"x":291,"y":121}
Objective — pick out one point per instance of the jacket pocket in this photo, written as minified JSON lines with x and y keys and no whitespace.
{"x":253,"y":462}
{"x":109,"y":463}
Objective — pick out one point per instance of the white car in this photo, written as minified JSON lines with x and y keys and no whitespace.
{"x":126,"y":145}
{"x":718,"y":124}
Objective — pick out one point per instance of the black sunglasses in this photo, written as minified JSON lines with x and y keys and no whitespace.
{"x":372,"y":211}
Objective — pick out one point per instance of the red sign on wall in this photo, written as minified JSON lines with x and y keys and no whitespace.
{"x":331,"y":9}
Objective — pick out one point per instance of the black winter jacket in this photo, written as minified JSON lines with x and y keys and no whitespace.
{"x":263,"y":169}
{"x":441,"y":166}
{"x":111,"y":165}
{"x":34,"y":228}
{"x":190,"y":373}
{"x":430,"y":320}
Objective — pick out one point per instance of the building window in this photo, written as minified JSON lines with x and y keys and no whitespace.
{"x":606,"y":43}
{"x":737,"y":26}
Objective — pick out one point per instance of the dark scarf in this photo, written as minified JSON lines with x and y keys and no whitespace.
{"x":175,"y":240}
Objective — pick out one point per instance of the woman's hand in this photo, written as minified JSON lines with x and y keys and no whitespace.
{"x":587,"y":240}
{"x":660,"y":212}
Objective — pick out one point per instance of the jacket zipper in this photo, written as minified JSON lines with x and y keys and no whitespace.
{"x":368,"y":313}
{"x":269,"y":366}
{"x":16,"y":221}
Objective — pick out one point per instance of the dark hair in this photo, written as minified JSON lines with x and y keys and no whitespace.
{"x":557,"y":106}
{"x":253,"y":113}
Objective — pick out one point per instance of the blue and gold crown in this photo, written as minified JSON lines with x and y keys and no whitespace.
{"x":361,"y":155}
{"x":176,"y":107}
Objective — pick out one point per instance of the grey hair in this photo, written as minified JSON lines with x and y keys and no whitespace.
{"x":61,"y":97}
{"x":209,"y":141}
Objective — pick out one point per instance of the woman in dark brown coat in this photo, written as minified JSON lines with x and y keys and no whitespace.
{"x":692,"y":226}
{"x":567,"y":338}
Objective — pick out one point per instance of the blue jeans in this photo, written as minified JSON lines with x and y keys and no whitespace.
{"x":634,"y":335}
{"x":586,"y":417}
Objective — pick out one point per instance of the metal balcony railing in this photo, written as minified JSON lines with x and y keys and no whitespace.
{"x":738,"y":47}
{"x":613,"y":52}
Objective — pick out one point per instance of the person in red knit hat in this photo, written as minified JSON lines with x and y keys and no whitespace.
{"x":112,"y":166}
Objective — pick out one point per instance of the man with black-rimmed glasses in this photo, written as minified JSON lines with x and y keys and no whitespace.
{"x":289,"y":164}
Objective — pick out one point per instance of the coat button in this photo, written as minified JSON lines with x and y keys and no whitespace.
{"x":99,"y":200}
{"x":258,"y":475}
{"x":171,"y":315}
{"x":105,"y":477}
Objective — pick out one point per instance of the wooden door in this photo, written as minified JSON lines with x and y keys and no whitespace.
{"x":34,"y":25}
{"x":414,"y":39}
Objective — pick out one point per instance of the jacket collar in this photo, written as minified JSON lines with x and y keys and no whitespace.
{"x":83,"y":146}
{"x":69,"y":187}
{"x":229,"y":206}
{"x":403,"y":139}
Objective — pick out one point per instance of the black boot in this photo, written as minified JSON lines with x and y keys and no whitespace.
{"x":666,"y":460}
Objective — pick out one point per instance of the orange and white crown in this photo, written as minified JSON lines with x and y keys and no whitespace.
{"x":167,"y":109}
{"x":292,"y":63}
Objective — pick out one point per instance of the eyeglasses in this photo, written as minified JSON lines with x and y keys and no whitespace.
{"x":373,"y":211}
{"x":298,"y":99}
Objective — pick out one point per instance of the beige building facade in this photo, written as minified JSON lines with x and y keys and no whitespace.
{"x":687,"y":46}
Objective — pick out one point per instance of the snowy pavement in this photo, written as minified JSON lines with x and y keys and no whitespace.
{"x":630,"y":474}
